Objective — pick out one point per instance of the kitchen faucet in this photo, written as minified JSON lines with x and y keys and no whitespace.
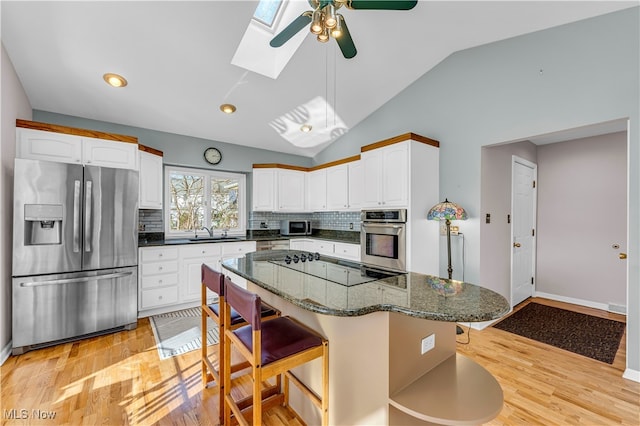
{"x":208,"y":230}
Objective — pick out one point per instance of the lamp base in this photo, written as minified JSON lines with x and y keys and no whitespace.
{"x":459,"y":330}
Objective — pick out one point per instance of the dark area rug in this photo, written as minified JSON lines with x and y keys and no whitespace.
{"x":594,"y":337}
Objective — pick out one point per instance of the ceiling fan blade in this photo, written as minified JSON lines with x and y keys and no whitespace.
{"x":292,"y":29}
{"x":345,"y":41}
{"x":382,"y":4}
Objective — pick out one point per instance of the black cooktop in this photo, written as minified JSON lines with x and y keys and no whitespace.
{"x":338,"y":271}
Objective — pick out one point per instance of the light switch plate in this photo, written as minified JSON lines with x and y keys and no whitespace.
{"x":428,"y":343}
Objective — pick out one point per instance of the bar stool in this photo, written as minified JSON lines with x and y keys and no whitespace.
{"x":272,"y":348}
{"x":214,"y":281}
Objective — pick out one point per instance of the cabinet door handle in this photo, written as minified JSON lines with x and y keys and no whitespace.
{"x":516,"y":244}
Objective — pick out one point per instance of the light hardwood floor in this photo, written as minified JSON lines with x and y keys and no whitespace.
{"x":118,"y":379}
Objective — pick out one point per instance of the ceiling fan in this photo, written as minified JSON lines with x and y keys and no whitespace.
{"x":326,"y":22}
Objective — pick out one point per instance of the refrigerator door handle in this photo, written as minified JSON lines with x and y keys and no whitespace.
{"x":76,"y":280}
{"x":87,"y":218}
{"x":76,"y":216}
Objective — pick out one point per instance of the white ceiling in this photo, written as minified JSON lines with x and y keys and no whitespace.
{"x":177,"y":59}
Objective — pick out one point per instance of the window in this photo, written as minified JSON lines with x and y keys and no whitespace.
{"x":267,"y":11}
{"x":204,"y":198}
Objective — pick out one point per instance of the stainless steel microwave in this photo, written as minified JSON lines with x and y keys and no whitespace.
{"x":295,"y":227}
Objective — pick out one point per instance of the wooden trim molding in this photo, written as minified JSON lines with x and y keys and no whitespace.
{"x":401,"y":138}
{"x":150,"y":150}
{"x":335,"y":163}
{"x":75,"y":131}
{"x":280,"y":166}
{"x":380,"y":144}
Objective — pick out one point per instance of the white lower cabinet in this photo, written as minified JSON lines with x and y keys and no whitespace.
{"x":191,"y":258}
{"x":169,"y":278}
{"x":346,"y":251}
{"x":158,"y":277}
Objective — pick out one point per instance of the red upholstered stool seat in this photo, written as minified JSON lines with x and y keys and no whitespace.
{"x":281,"y":337}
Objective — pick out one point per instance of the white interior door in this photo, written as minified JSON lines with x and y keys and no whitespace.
{"x":523,"y":224}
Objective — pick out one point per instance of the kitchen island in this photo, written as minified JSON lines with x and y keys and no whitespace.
{"x":392,"y":338}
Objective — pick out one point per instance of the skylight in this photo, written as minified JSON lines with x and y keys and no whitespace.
{"x":267,"y":11}
{"x":254,"y":52}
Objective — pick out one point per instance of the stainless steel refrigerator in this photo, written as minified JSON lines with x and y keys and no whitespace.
{"x":75,"y":238}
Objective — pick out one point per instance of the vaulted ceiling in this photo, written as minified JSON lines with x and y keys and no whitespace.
{"x":177,"y":59}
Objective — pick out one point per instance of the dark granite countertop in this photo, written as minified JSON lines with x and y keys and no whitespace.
{"x":151,"y":239}
{"x":413,"y":294}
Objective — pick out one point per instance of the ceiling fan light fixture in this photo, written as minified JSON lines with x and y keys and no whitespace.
{"x":336,"y":31}
{"x":330,"y":19}
{"x":228,"y":108}
{"x":114,"y":80}
{"x":306,"y":128}
{"x":316,"y":24}
{"x":324,"y":36}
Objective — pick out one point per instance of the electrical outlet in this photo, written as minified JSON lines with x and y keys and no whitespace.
{"x":428,"y":343}
{"x":454,"y":230}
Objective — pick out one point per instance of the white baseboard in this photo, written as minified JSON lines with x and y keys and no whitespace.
{"x":6,"y":352}
{"x":632,"y":375}
{"x":574,"y":301}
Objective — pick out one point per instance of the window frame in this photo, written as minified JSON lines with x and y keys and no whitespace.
{"x":208,"y":175}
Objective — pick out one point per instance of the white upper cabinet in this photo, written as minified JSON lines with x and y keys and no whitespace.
{"x":276,"y":189}
{"x":316,"y":191}
{"x":150,"y":180}
{"x":290,"y":191}
{"x":100,"y":152}
{"x":356,"y":185}
{"x":48,"y":146}
{"x":264,"y":190}
{"x":386,"y":176}
{"x":66,"y":148}
{"x":338,"y":187}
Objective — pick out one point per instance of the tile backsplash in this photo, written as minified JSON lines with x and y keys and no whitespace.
{"x":339,"y":221}
{"x":152,"y":220}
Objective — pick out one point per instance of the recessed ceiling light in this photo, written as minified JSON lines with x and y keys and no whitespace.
{"x":115,"y":80}
{"x":306,"y":128}
{"x":228,"y":108}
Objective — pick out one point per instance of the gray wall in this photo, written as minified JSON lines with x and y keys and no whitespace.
{"x":14,"y":105}
{"x":495,"y":241}
{"x":180,"y":150}
{"x":582,"y":190}
{"x":496,"y":93}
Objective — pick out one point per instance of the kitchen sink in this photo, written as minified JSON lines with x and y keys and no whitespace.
{"x":214,"y":239}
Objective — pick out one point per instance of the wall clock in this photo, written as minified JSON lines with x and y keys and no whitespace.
{"x":212,"y":155}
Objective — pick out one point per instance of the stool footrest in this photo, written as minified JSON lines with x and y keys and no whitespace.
{"x":304,"y":389}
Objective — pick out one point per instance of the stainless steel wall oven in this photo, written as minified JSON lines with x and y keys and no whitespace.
{"x":383,"y":238}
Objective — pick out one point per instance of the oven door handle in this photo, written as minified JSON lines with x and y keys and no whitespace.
{"x":382,"y":225}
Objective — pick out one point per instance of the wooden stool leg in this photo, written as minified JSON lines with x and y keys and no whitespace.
{"x":226,"y":382}
{"x":203,"y":327}
{"x":325,"y":384}
{"x":223,"y":349}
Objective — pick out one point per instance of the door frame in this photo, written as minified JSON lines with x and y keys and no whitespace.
{"x":519,"y":160}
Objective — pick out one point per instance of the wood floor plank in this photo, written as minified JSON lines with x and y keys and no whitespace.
{"x":118,"y":379}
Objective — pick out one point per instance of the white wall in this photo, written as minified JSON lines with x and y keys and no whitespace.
{"x":495,"y":93}
{"x":14,"y":105}
{"x":582,"y":200}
